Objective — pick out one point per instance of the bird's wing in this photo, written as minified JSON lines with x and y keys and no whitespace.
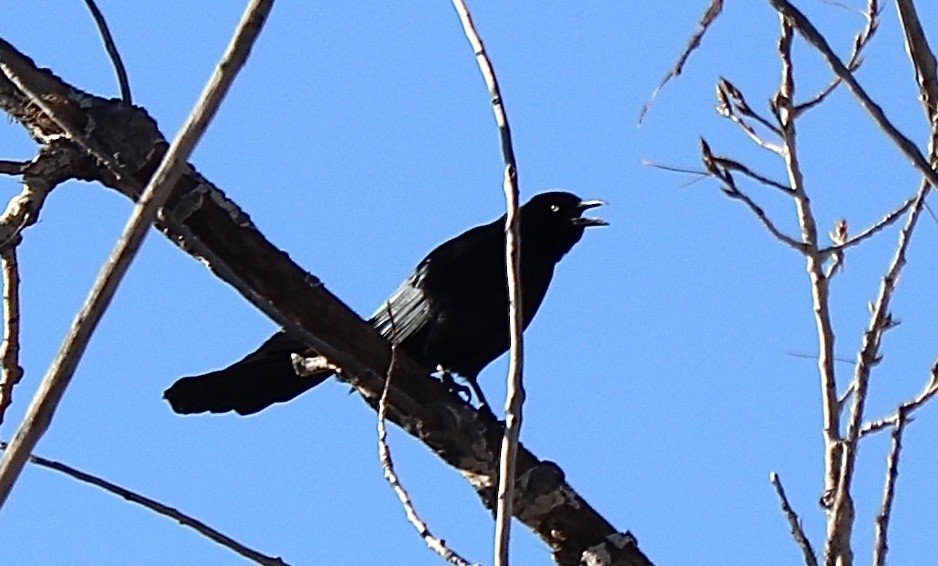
{"x":407,"y":310}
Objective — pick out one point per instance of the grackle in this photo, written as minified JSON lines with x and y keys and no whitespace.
{"x":450,"y":313}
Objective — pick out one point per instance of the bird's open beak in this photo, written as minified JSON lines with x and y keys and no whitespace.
{"x":586,"y":220}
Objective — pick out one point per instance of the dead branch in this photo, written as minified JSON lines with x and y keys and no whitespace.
{"x":709,"y":16}
{"x":156,"y":507}
{"x":435,"y":543}
{"x":112,"y":52}
{"x":713,"y":166}
{"x":906,"y":409}
{"x":514,"y":401}
{"x":814,"y":37}
{"x":797,"y":532}
{"x":12,"y":167}
{"x":880,"y":547}
{"x":888,"y":220}
{"x":10,"y":348}
{"x":853,"y":63}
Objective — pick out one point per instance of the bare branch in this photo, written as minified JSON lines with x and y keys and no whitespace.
{"x":922,"y":57}
{"x":783,"y":105}
{"x":734,"y":165}
{"x":797,"y":532}
{"x":869,"y":356}
{"x":435,"y":543}
{"x":10,"y":348}
{"x":515,"y":389}
{"x":742,"y":106}
{"x":156,"y":507}
{"x":732,"y":105}
{"x":23,"y":209}
{"x":861,"y":40}
{"x":814,"y":37}
{"x":41,"y":409}
{"x":709,"y":16}
{"x":711,"y":163}
{"x":906,"y":409}
{"x":880,"y":547}
{"x":59,"y":110}
{"x":884,"y":222}
{"x":111,"y":51}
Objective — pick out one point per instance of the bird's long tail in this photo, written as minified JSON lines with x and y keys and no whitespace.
{"x":261,"y":379}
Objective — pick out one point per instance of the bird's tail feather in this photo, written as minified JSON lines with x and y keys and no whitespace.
{"x":259,"y":380}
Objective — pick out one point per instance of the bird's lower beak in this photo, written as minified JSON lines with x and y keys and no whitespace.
{"x":586,"y":220}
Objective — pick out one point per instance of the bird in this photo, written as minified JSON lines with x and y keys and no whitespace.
{"x":450,"y":313}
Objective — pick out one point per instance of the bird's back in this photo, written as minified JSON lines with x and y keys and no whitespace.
{"x":453,"y":309}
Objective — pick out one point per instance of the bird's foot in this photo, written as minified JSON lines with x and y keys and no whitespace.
{"x":486,"y":410}
{"x":463,"y":392}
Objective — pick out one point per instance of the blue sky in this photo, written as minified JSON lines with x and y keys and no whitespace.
{"x":659,"y":370}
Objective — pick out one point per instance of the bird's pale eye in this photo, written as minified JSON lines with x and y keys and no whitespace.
{"x":554,"y":208}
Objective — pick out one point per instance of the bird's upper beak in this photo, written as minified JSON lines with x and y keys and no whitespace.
{"x":586,"y":220}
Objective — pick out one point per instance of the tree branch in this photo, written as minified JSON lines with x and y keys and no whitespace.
{"x":797,"y":532}
{"x":10,"y":348}
{"x":814,"y":37}
{"x":156,"y":507}
{"x":111,"y":51}
{"x":514,"y":401}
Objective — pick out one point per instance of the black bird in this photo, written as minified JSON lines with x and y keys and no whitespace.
{"x":450,"y":313}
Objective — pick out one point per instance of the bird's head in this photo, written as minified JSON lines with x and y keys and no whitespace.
{"x":553,"y":222}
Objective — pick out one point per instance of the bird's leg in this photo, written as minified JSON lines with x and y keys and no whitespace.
{"x":457,"y":389}
{"x":484,"y":406}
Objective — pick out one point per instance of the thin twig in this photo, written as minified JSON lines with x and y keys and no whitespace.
{"x":797,"y":532}
{"x":906,"y":409}
{"x":712,"y":164}
{"x":23,"y":209}
{"x":41,"y":409}
{"x":676,"y":169}
{"x":709,"y":16}
{"x":783,"y":104}
{"x":737,"y":166}
{"x":869,"y":355}
{"x":696,"y":173}
{"x":156,"y":507}
{"x":435,"y":543}
{"x":921,"y":56}
{"x":853,"y":63}
{"x":880,"y":547}
{"x":741,"y":105}
{"x":10,"y":348}
{"x":515,"y":390}
{"x":884,"y":222}
{"x":732,"y":105}
{"x":814,"y":37}
{"x":815,"y":356}
{"x":111,"y":51}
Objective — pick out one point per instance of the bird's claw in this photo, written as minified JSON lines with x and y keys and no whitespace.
{"x":484,"y":409}
{"x":464,"y":392}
